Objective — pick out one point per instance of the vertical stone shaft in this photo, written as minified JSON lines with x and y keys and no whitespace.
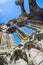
{"x":21,"y":4}
{"x":22,"y":34}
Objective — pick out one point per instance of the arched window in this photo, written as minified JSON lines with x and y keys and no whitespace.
{"x":26,"y":6}
{"x":27,"y":29}
{"x":16,"y":38}
{"x":40,"y":3}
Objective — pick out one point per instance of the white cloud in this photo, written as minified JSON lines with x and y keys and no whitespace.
{"x":3,"y":1}
{"x":6,"y":1}
{"x":6,"y":5}
{"x":7,"y":10}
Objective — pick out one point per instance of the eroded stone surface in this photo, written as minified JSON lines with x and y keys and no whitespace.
{"x":30,"y":51}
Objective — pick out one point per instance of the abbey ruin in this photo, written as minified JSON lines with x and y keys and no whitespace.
{"x":30,"y":51}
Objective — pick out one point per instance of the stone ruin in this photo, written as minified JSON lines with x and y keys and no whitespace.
{"x":30,"y":51}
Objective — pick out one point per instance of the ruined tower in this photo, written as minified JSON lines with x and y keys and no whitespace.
{"x":30,"y":51}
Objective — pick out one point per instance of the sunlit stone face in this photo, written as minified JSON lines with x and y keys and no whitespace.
{"x":21,"y":62}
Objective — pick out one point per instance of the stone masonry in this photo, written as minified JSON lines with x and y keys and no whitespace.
{"x":30,"y":51}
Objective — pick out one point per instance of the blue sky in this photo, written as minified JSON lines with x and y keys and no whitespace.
{"x":9,"y":10}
